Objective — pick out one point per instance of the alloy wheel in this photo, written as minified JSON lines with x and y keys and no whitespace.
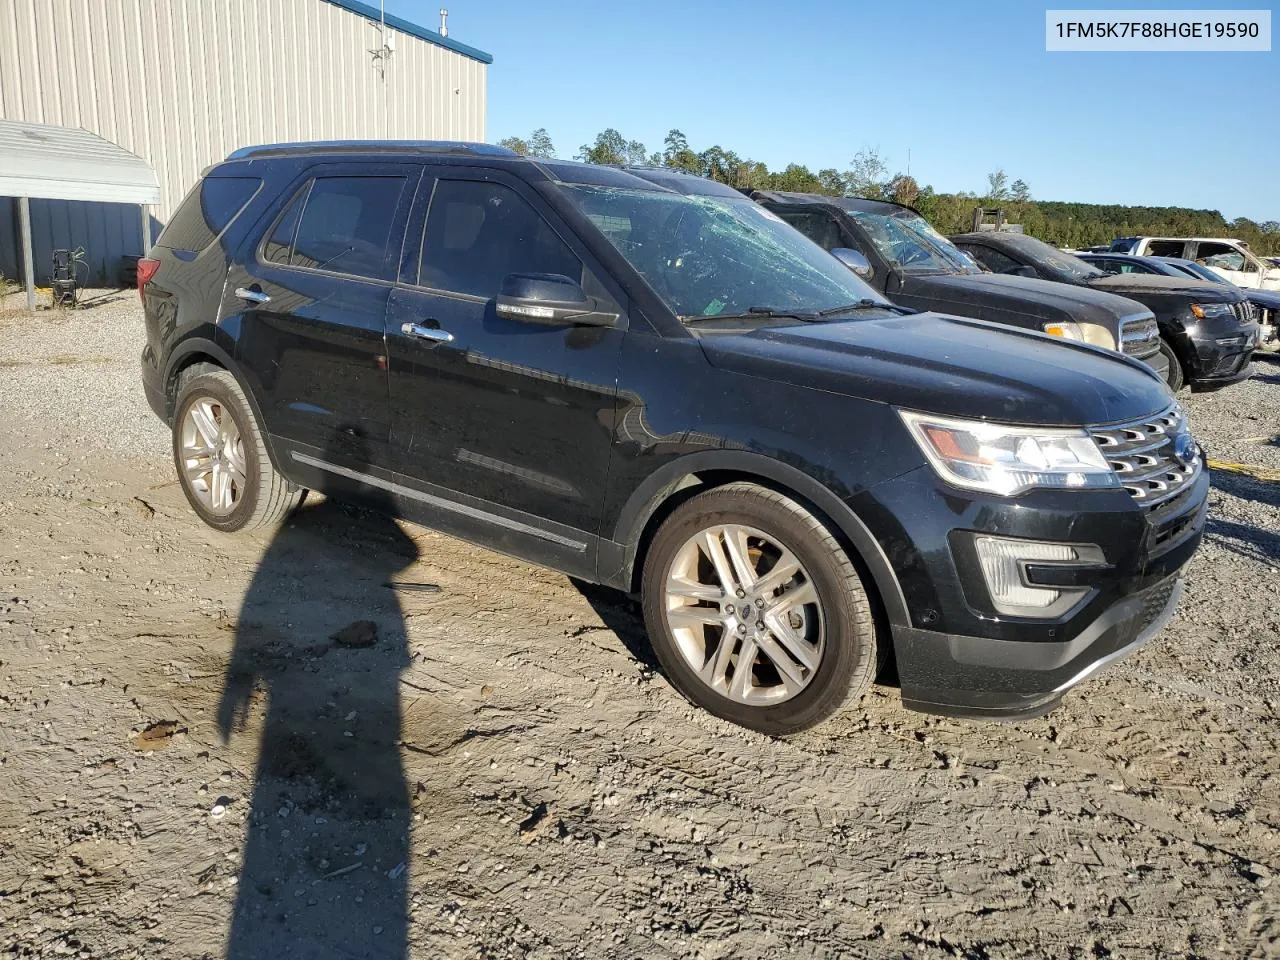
{"x":213,"y":455}
{"x":745,"y":614}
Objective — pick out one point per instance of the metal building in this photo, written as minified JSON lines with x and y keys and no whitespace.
{"x":182,"y":83}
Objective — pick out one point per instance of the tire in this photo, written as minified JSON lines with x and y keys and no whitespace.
{"x":685,"y":610}
{"x":1177,"y":378}
{"x":255,"y":494}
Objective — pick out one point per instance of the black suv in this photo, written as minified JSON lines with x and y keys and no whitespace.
{"x":644,"y":379}
{"x":896,"y":250}
{"x":1208,"y":331}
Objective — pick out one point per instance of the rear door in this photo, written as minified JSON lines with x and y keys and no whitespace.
{"x":311,"y":288}
{"x":503,"y":427}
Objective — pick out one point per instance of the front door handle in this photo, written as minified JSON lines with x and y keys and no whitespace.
{"x":253,"y":296}
{"x":419,"y":332}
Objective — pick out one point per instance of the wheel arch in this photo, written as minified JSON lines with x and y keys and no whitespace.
{"x":675,"y":482}
{"x":196,"y":350}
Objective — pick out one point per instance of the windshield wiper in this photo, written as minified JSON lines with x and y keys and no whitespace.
{"x":866,"y":303}
{"x":757,"y":313}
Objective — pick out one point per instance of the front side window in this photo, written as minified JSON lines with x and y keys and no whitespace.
{"x":1220,"y":255}
{"x":910,"y":242}
{"x":705,"y":256}
{"x":477,"y":233}
{"x":821,"y":228}
{"x":993,"y":260}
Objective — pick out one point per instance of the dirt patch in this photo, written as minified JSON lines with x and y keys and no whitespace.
{"x":504,"y":774}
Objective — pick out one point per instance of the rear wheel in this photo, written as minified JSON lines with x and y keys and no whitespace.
{"x":755,"y":611}
{"x":221,"y":456}
{"x":1176,"y":376}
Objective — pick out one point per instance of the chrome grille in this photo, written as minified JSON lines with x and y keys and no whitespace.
{"x":1142,"y":455}
{"x":1139,"y":336}
{"x":1245,"y":311}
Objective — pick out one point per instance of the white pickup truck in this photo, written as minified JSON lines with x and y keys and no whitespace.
{"x":1231,"y":259}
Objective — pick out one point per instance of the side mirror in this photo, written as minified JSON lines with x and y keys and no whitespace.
{"x":855,"y":260}
{"x":1022,"y":270}
{"x":549,"y":298}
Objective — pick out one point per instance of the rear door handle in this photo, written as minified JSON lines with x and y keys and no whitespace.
{"x":253,"y":296}
{"x":419,"y":332}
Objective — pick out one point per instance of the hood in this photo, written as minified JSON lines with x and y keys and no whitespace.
{"x":1263,"y":298}
{"x":949,"y":365}
{"x":1138,"y":285}
{"x":1042,"y":299}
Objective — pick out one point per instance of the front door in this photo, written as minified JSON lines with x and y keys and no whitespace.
{"x":311,"y":292}
{"x":504,"y":427}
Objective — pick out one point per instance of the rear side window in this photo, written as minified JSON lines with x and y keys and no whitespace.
{"x":207,"y":211}
{"x":338,"y":224}
{"x":477,"y":233}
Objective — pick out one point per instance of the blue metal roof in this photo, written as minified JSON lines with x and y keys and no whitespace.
{"x":413,"y":29}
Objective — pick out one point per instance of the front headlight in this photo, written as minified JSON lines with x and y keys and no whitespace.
{"x":1081,"y":332}
{"x":1008,"y":460}
{"x":1211,"y":311}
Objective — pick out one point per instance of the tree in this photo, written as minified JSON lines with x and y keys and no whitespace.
{"x":833,"y":182}
{"x":613,"y":147}
{"x":997,"y":185}
{"x":677,"y":155}
{"x":903,"y":189}
{"x":538,"y":145}
{"x":867,"y":174}
{"x":1020,"y":192}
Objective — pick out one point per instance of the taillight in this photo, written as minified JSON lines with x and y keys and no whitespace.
{"x":147,"y":268}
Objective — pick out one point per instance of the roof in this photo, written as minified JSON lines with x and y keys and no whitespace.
{"x":859,"y":204}
{"x":459,"y":147}
{"x":63,"y":163}
{"x":413,"y":29}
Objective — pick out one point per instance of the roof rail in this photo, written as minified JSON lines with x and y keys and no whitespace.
{"x":370,"y":146}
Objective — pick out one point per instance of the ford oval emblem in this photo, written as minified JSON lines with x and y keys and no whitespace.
{"x":1184,"y":447}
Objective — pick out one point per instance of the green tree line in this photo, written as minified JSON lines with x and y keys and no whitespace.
{"x":868,"y":175}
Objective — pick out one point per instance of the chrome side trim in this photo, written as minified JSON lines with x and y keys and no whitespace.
{"x":439,"y":502}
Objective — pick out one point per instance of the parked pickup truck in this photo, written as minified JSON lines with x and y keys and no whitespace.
{"x":1231,"y":258}
{"x":895,"y":249}
{"x":1208,"y":331}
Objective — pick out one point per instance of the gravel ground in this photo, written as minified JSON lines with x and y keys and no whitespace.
{"x":193,"y":767}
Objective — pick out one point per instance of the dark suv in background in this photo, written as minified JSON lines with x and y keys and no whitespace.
{"x":896,"y":250}
{"x":643,"y":379}
{"x":1207,"y":330}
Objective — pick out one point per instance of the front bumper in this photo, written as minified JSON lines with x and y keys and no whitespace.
{"x":1219,"y":356}
{"x":983,"y":679}
{"x":958,"y":655}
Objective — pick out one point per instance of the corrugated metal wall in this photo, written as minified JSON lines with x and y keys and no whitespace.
{"x":182,"y":83}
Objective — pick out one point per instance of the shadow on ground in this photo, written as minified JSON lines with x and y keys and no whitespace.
{"x":320,"y":645}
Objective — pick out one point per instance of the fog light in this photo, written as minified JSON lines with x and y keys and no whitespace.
{"x":1004,"y":567}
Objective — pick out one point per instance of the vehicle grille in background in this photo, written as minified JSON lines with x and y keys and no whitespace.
{"x":1245,"y":311}
{"x":1139,"y":336}
{"x":1142,"y":455}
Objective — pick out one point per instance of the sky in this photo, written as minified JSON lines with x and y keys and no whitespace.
{"x":962,"y":88}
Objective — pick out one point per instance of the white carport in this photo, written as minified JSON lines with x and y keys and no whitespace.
{"x":61,"y":163}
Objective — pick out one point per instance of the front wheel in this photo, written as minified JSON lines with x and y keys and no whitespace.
{"x":1176,"y":377}
{"x":756,"y":612}
{"x":221,"y":456}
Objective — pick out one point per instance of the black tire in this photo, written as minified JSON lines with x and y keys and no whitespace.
{"x":851,"y":655}
{"x":266,"y":497}
{"x":1177,"y":377}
